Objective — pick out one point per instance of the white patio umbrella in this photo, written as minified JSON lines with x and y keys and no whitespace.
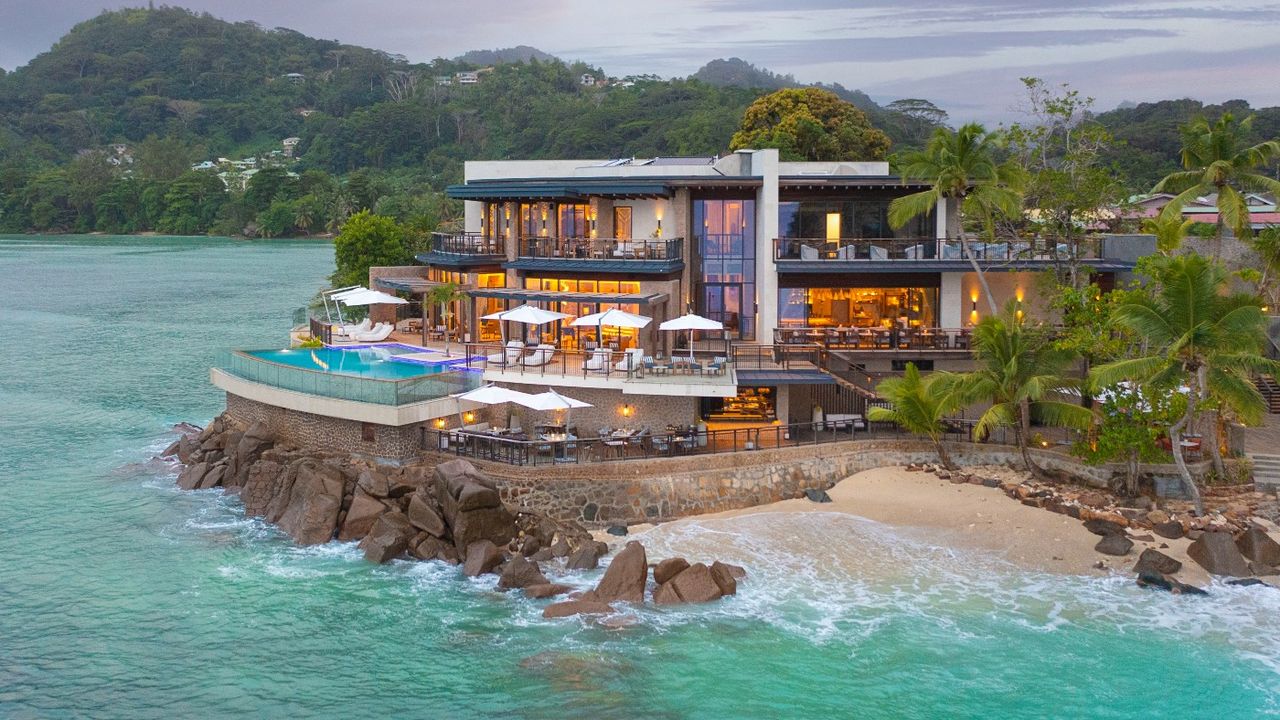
{"x":613,"y":318}
{"x":491,"y":395}
{"x":526,"y":314}
{"x":370,"y":297}
{"x":552,"y":400}
{"x":691,"y":322}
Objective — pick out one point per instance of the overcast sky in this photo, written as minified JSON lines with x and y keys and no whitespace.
{"x":965,"y":55}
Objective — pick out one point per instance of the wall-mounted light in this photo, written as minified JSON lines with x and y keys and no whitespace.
{"x":469,"y":417}
{"x":439,"y":423}
{"x":659,"y":227}
{"x":627,"y":410}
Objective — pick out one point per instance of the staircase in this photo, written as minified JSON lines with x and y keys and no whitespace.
{"x":1266,"y":472}
{"x":1270,"y":390}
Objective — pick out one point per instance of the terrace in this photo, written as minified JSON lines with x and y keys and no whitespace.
{"x":827,"y":254}
{"x":886,"y":339}
{"x":463,"y":248}
{"x":636,"y":255}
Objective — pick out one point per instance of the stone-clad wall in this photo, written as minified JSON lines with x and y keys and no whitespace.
{"x":668,"y":488}
{"x":318,"y":432}
{"x":653,"y":411}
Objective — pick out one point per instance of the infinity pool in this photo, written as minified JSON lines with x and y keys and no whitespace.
{"x":366,"y":363}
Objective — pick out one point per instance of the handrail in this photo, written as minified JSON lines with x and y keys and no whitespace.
{"x":645,"y":444}
{"x":541,"y":361}
{"x":875,"y":338}
{"x":924,"y":248}
{"x":584,"y":248}
{"x":466,"y":243}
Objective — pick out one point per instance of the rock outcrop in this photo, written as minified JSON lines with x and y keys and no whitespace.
{"x":624,"y":579}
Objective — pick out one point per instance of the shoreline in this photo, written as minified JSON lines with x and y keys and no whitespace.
{"x":973,"y":518}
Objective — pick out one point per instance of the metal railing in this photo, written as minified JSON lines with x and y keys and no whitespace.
{"x":875,"y":338}
{"x":911,"y":249}
{"x":604,"y":363}
{"x":646,"y":444}
{"x":580,"y":248}
{"x":343,"y":386}
{"x":466,"y":243}
{"x":320,"y":330}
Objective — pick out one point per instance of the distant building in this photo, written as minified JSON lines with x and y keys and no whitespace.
{"x":205,"y":165}
{"x":295,"y":78}
{"x":467,"y":78}
{"x":306,"y":112}
{"x":587,"y":79}
{"x":444,"y":80}
{"x":290,"y":143}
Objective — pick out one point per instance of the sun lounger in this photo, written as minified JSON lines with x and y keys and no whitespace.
{"x":599,"y":360}
{"x":377,"y":333}
{"x":540,"y":356}
{"x":632,"y":361}
{"x":510,"y":354}
{"x":363,"y":327}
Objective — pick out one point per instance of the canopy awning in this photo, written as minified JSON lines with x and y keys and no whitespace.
{"x":552,"y":400}
{"x":370,"y":297}
{"x":523,"y":295}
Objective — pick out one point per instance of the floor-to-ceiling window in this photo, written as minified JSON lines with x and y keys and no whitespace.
{"x":727,"y":248}
{"x":864,"y":307}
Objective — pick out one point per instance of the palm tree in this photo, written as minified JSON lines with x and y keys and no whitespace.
{"x":1266,"y":245}
{"x":1215,"y":162}
{"x":919,"y":405}
{"x":443,"y":295}
{"x":1019,"y":370}
{"x":1198,"y":336}
{"x":1170,"y":231}
{"x":962,"y":167}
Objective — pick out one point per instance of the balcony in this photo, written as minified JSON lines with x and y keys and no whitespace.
{"x":633,"y":255}
{"x":819,"y":255}
{"x":463,"y":248}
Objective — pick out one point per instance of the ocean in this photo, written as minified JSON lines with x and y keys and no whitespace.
{"x":122,"y":597}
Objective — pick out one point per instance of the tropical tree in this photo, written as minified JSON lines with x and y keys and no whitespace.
{"x":918,"y":404}
{"x":1019,"y":370}
{"x":366,"y":240}
{"x":1199,"y":336}
{"x":443,"y":295}
{"x":1216,"y":162}
{"x":1266,"y":245}
{"x":961,"y":165}
{"x":1170,"y":231}
{"x":810,"y":124}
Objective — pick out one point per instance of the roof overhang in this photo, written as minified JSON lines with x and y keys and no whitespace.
{"x":530,"y":295}
{"x":569,"y":190}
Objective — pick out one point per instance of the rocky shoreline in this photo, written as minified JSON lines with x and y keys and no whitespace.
{"x":450,"y":512}
{"x":1234,"y":540}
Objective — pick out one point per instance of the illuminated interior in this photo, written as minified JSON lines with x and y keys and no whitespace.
{"x":857,"y":307}
{"x":575,"y":338}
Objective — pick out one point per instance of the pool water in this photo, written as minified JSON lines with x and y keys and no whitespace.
{"x":368,"y":363}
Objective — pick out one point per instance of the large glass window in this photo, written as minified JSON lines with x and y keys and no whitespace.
{"x":834,"y":219}
{"x":582,"y":337}
{"x":857,"y":307}
{"x":726,"y":243}
{"x":574,"y":221}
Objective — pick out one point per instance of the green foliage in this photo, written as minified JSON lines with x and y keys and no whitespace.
{"x":311,"y":343}
{"x":1198,"y":335}
{"x":810,"y":124}
{"x":918,"y":405}
{"x":366,"y":241}
{"x":1087,"y":330}
{"x":1130,"y":423}
{"x":1170,"y":231}
{"x":1019,"y":371}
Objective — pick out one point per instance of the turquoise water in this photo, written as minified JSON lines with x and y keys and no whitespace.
{"x":360,"y":363}
{"x":121,"y":597}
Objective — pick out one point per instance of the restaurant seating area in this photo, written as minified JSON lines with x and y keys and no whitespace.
{"x":877,"y":338}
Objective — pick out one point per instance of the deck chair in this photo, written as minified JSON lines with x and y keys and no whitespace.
{"x":510,"y":354}
{"x":599,"y":360}
{"x":631,"y":361}
{"x":540,"y":356}
{"x":377,"y":333}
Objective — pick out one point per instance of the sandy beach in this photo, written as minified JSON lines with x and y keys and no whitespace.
{"x":978,"y":518}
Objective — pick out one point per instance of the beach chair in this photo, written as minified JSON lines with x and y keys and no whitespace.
{"x":717,"y":365}
{"x":878,"y":253}
{"x":377,"y":333}
{"x":632,"y":360}
{"x":540,"y":356}
{"x":363,"y":327}
{"x":599,"y":360}
{"x":510,"y":354}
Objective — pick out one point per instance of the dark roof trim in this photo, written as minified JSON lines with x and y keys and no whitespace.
{"x":524,"y":295}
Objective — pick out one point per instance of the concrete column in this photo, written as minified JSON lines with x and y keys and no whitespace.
{"x":473,"y":211}
{"x":782,"y":404}
{"x":764,"y":164}
{"x":940,"y":222}
{"x":682,"y":224}
{"x":951,"y":300}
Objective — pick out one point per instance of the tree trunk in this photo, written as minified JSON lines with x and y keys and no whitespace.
{"x":968,"y":252}
{"x":1214,"y":437}
{"x":1175,"y":440}
{"x":943,"y":455}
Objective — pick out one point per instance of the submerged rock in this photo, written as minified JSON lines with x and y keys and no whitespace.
{"x":581,"y":606}
{"x":545,"y":590}
{"x":520,"y":573}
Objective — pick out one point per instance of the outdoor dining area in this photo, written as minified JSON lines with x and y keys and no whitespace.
{"x":894,"y":337}
{"x":596,"y":358}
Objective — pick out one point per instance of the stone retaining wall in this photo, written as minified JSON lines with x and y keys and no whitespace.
{"x":320,"y":432}
{"x":667,"y":488}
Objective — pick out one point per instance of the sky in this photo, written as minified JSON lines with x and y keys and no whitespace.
{"x":965,"y":55}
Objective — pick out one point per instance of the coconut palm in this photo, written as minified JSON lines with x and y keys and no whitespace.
{"x":1170,"y":231}
{"x":1019,"y":371}
{"x":1216,"y":163}
{"x":1199,"y":336}
{"x":918,"y":405}
{"x":962,"y":167}
{"x":444,"y":295}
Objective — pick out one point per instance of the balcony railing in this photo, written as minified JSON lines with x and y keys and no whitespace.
{"x":909,"y":249}
{"x":541,"y":361}
{"x":875,"y":338}
{"x":466,"y":243}
{"x":343,"y":386}
{"x":577,"y":248}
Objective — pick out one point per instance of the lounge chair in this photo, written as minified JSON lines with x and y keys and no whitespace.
{"x":510,"y":355}
{"x":540,"y":356}
{"x":631,"y":361}
{"x":363,"y":327}
{"x":599,"y":360}
{"x":808,"y":253}
{"x":377,"y":333}
{"x":717,"y":365}
{"x":877,"y":252}
{"x":848,"y":252}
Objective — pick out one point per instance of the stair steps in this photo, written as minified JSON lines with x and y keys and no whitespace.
{"x":1266,"y":471}
{"x":1270,"y":390}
